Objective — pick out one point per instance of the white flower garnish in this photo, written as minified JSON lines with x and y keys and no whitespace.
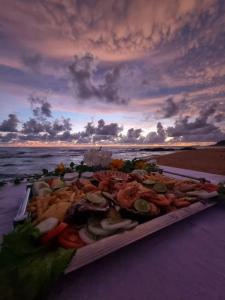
{"x":95,"y":157}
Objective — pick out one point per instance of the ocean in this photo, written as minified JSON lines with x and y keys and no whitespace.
{"x":27,"y":161}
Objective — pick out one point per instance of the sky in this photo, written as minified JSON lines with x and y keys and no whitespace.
{"x":112,"y":72}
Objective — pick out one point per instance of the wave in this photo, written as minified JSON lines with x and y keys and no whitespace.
{"x":8,"y":165}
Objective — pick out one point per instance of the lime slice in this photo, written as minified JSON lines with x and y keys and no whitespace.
{"x":160,"y":188}
{"x":95,"y":198}
{"x":141,"y":205}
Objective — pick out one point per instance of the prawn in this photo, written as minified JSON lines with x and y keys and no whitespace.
{"x":126,"y":197}
{"x":152,"y":196}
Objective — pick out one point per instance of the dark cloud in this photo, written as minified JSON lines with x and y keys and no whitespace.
{"x":197,"y":130}
{"x":85,"y":85}
{"x":220,"y":117}
{"x":9,"y":125}
{"x":133,"y":136}
{"x":155,"y":137}
{"x":50,"y":130}
{"x":33,"y":126}
{"x":40,"y":107}
{"x":101,"y":132}
{"x":171,"y":108}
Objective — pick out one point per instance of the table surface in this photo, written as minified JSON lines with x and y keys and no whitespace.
{"x":183,"y":261}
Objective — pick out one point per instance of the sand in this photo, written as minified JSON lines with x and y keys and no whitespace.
{"x":205,"y":160}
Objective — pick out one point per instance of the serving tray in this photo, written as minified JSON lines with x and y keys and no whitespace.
{"x":92,"y":252}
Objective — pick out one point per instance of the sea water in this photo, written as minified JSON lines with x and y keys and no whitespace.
{"x":26,"y":161}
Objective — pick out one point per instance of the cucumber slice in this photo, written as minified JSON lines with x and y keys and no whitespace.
{"x":141,"y":205}
{"x":131,"y":225}
{"x":110,"y":224}
{"x":94,"y":227}
{"x":85,"y":236}
{"x":96,"y":198}
{"x":47,"y":225}
{"x":160,"y":188}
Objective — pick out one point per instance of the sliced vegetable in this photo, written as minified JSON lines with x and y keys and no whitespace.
{"x":96,"y":198}
{"x":141,"y":205}
{"x":148,"y":182}
{"x":131,"y":225}
{"x":53,"y":233}
{"x":94,"y":227}
{"x":210,"y":187}
{"x":110,"y":224}
{"x":70,"y":238}
{"x":27,"y":269}
{"x":47,"y":225}
{"x":160,"y":188}
{"x":86,"y":237}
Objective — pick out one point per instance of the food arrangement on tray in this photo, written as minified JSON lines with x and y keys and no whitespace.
{"x":91,"y":202}
{"x":103,"y":203}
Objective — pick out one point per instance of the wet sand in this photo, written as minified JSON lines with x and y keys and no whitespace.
{"x":205,"y":160}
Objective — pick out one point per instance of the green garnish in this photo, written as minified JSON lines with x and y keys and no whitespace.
{"x":27,"y":270}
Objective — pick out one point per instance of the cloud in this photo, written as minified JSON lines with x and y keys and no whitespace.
{"x":171,"y":108}
{"x":40,"y":107}
{"x":194,"y":131}
{"x":148,"y":60}
{"x":101,"y":132}
{"x":9,"y":125}
{"x":133,"y":136}
{"x":82,"y":72}
{"x":156,"y":137}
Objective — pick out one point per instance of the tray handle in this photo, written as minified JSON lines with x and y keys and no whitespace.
{"x":22,"y":213}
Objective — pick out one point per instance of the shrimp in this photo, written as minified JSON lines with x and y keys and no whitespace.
{"x":89,"y":188}
{"x":181,"y":203}
{"x":127,"y":196}
{"x":152,"y":196}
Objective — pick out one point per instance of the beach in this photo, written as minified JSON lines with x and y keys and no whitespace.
{"x":204,"y":160}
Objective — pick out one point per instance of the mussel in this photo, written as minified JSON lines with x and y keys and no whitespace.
{"x":80,"y":212}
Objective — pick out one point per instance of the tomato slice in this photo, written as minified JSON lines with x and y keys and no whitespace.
{"x":53,"y":233}
{"x":210,"y":187}
{"x":70,"y":238}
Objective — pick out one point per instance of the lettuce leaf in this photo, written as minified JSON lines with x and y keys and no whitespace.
{"x":28,"y":270}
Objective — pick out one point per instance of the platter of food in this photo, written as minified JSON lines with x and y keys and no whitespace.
{"x":74,"y":215}
{"x":99,"y":212}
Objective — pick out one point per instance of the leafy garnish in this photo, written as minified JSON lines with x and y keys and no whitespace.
{"x":27,"y":270}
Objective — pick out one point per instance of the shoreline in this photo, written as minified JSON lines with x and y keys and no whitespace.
{"x":203,"y":160}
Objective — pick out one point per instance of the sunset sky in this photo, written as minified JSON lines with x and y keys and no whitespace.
{"x":112,"y":71}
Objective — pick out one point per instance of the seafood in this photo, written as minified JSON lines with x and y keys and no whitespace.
{"x":137,"y":195}
{"x":127,"y":196}
{"x":102,"y":175}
